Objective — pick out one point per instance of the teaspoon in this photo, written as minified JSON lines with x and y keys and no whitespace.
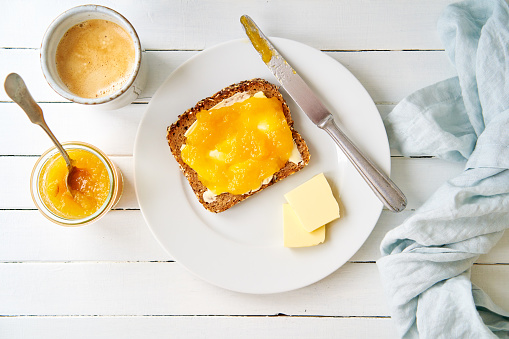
{"x":17,"y":90}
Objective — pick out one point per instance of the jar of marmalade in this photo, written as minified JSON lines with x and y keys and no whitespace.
{"x":95,"y":185}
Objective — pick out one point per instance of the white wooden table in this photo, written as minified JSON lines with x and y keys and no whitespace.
{"x":112,"y":279}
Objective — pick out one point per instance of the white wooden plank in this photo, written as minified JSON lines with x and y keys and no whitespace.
{"x":114,"y":132}
{"x":156,"y":288}
{"x":350,"y":25}
{"x":124,"y":236}
{"x":387,"y":76}
{"x":137,"y":289}
{"x":75,"y":122}
{"x":118,"y":236}
{"x":417,"y":177}
{"x":195,"y":327}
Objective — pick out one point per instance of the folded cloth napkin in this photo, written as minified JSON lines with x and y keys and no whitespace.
{"x":426,"y":261}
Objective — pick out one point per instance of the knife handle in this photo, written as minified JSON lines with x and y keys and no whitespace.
{"x":383,"y":187}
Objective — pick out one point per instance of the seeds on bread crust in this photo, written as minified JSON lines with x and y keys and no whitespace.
{"x":176,"y":139}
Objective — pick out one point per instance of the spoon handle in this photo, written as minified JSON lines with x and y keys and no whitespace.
{"x":17,"y":90}
{"x":59,"y":146}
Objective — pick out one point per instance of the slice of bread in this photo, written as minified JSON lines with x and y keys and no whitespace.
{"x":176,"y":138}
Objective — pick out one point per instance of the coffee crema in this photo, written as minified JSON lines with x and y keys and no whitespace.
{"x":95,"y":58}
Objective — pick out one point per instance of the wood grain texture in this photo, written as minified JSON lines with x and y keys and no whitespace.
{"x":324,"y":24}
{"x":123,"y":236}
{"x":388,"y":76}
{"x":157,"y":288}
{"x":418,"y":178}
{"x":152,"y":327}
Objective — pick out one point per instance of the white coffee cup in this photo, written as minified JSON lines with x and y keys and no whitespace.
{"x":130,"y":90}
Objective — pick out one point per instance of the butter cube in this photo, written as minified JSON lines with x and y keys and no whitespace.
{"x":313,"y":203}
{"x":295,"y":235}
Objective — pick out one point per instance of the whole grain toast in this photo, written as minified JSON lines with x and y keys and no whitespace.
{"x":176,"y":138}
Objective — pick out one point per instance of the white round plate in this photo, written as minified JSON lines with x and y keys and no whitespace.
{"x":242,"y":249}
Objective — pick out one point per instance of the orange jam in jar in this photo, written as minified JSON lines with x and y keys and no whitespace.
{"x":95,"y":185}
{"x":88,"y":184}
{"x":236,"y":148}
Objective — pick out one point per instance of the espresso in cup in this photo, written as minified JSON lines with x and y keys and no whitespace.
{"x":95,"y":58}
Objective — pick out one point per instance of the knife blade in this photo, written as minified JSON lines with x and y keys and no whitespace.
{"x":383,"y":187}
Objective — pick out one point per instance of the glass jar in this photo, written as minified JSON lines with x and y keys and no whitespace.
{"x":113,"y":194}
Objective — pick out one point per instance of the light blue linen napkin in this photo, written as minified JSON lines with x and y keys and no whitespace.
{"x":426,"y":261}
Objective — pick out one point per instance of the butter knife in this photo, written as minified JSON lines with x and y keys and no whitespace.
{"x":383,"y":187}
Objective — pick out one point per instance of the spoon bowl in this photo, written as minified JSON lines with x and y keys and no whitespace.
{"x":17,"y":90}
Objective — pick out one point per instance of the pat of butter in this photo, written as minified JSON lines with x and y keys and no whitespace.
{"x":295,"y":235}
{"x":313,"y":203}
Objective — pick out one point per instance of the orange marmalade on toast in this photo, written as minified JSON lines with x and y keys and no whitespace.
{"x":236,"y":147}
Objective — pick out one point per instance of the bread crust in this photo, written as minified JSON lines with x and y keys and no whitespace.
{"x":176,"y":138}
